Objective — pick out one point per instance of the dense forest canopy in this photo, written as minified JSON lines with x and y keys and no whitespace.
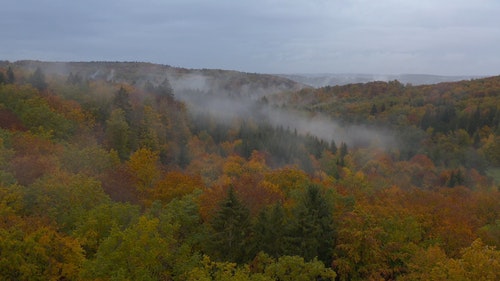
{"x":130,"y":171}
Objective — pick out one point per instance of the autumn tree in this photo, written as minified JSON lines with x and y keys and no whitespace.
{"x":144,"y":167}
{"x":34,"y":252}
{"x":175,"y":185}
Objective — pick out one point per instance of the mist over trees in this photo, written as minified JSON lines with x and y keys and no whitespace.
{"x":129,"y":171}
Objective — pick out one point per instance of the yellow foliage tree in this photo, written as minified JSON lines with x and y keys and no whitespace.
{"x":144,"y":166}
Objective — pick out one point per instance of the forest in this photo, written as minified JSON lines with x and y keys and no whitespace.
{"x":111,"y":172}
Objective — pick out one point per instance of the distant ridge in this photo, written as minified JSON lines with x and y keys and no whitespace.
{"x":213,"y":82}
{"x":322,"y":80}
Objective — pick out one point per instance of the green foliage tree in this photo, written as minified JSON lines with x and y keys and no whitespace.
{"x":230,"y":230}
{"x":65,"y":198}
{"x":311,"y":231}
{"x":293,"y":268}
{"x":262,"y":268}
{"x":209,"y":270}
{"x":118,"y":133}
{"x":269,"y":231}
{"x":10,"y":79}
{"x":6,"y":154}
{"x":139,"y":252}
{"x":92,"y":160}
{"x":96,"y":226}
{"x":121,"y":101}
{"x":37,"y":79}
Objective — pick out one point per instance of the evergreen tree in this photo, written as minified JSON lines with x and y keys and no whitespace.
{"x":374,"y":110}
{"x":118,"y":133}
{"x":122,"y":101}
{"x":37,"y":79}
{"x":343,"y":150}
{"x":311,"y":232}
{"x":2,"y":78}
{"x":74,"y":79}
{"x":269,"y":231}
{"x":165,"y":90}
{"x":10,"y":76}
{"x":230,"y":226}
{"x":333,"y":147}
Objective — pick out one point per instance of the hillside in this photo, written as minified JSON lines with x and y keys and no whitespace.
{"x":219,"y":82}
{"x":134,"y":171}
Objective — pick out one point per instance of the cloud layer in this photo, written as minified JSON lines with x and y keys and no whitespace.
{"x":448,"y":37}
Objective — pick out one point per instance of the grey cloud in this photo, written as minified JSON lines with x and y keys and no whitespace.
{"x":274,"y":36}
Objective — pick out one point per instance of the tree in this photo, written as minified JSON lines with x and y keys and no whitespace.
{"x":144,"y":166}
{"x":139,"y":252}
{"x":230,"y":230}
{"x":65,"y":198}
{"x":92,"y":229}
{"x":209,"y":270}
{"x":311,"y":232}
{"x":477,"y":262}
{"x":175,"y":185}
{"x":10,"y":79}
{"x":269,"y":231}
{"x":374,"y":110}
{"x":37,"y":79}
{"x":118,"y":133}
{"x":121,"y":101}
{"x":32,"y":252}
{"x":165,"y":90}
{"x":262,"y":268}
{"x":294,"y":268}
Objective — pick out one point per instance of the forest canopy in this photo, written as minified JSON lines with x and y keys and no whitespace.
{"x":131,"y":175}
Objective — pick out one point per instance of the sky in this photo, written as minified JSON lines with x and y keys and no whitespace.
{"x":442,"y":37}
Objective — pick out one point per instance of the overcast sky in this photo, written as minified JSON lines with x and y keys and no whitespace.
{"x":446,"y":37}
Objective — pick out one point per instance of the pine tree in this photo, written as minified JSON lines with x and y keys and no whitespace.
{"x":374,"y":110}
{"x":333,"y":147}
{"x":311,"y":232}
{"x":10,"y":76}
{"x":122,"y":101}
{"x":231,"y":228}
{"x":118,"y":133}
{"x":37,"y":79}
{"x":269,"y":231}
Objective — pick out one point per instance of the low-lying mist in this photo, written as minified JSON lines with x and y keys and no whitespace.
{"x":227,"y":95}
{"x":225,"y":109}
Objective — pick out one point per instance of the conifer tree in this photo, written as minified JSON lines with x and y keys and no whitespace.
{"x":10,"y":76}
{"x":37,"y":79}
{"x":311,"y":232}
{"x":269,"y":231}
{"x":231,"y":227}
{"x":122,"y":101}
